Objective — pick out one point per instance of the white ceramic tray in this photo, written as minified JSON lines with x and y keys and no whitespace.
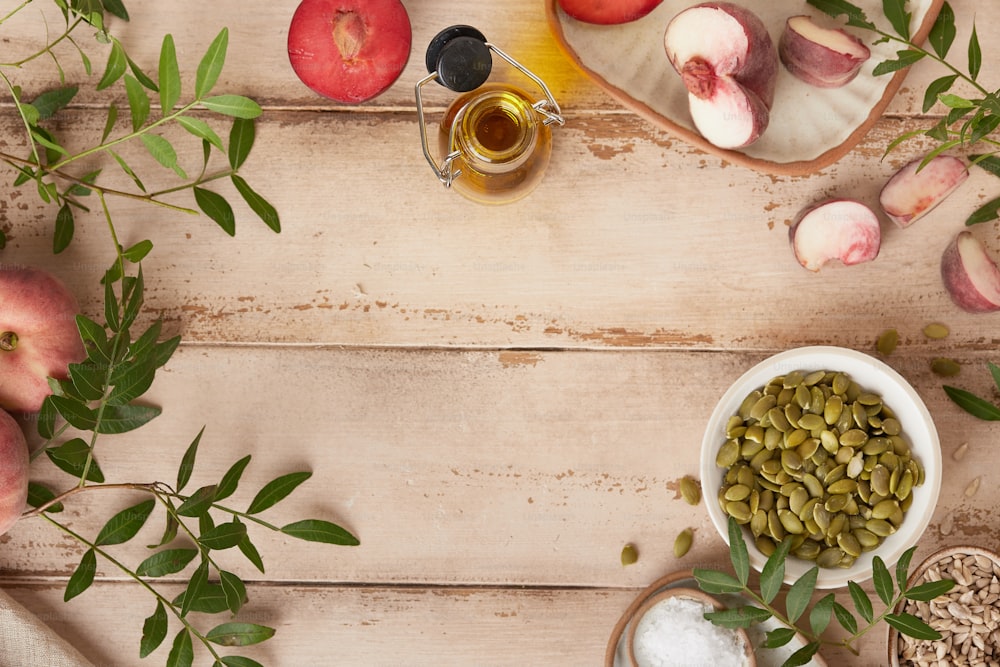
{"x":617,"y":652}
{"x":810,"y":127}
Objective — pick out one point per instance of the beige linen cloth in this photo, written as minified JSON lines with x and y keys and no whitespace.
{"x":27,"y":642}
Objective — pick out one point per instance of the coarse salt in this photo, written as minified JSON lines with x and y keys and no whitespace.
{"x":674,"y":633}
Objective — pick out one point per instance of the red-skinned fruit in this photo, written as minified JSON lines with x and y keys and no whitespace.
{"x":349,"y":50}
{"x":14,"y":461}
{"x":608,"y":12}
{"x":729,"y":66}
{"x":970,"y":276}
{"x":913,"y":192}
{"x":38,"y":336}
{"x":837,"y":229}
{"x":822,"y":57}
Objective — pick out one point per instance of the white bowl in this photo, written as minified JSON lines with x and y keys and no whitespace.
{"x":874,"y":376}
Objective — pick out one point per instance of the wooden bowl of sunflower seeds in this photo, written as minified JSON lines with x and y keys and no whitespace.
{"x":967,"y":617}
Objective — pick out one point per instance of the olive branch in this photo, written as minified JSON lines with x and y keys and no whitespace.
{"x":811,"y":620}
{"x":102,"y":394}
{"x":969,"y":121}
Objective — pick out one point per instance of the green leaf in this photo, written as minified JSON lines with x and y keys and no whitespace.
{"x":903,"y":567}
{"x":738,"y":552}
{"x":238,"y":661}
{"x":201,"y":129}
{"x":154,"y":631}
{"x":226,"y":536}
{"x":181,"y":652}
{"x":250,"y":551}
{"x":199,"y":502}
{"x":241,"y":140}
{"x":39,"y":494}
{"x":128,"y":170}
{"x":45,"y":140}
{"x":943,"y":31}
{"x":211,"y":64}
{"x":936,"y":88}
{"x":109,"y":124}
{"x":985,"y":213}
{"x":912,"y":626}
{"x":138,"y":101}
{"x":855,"y":16}
{"x":803,"y":656}
{"x":800,"y":593}
{"x":163,"y":152}
{"x":317,"y":530}
{"x":116,"y":65}
{"x":983,"y":126}
{"x":230,"y":481}
{"x":861,"y":601}
{"x":905,"y":58}
{"x":187,"y":461}
{"x":170,"y":75}
{"x":717,"y":583}
{"x":130,"y":382}
{"x":264,"y":210}
{"x":956,"y":101}
{"x":217,"y":208}
{"x":845,"y":618}
{"x":975,"y":54}
{"x":930,"y":590}
{"x":276,"y":491}
{"x":882,"y":580}
{"x":168,"y":561}
{"x":778,"y":637}
{"x":138,"y":252}
{"x":78,"y":415}
{"x":819,"y":616}
{"x":46,"y":419}
{"x":124,"y":418}
{"x":995,"y":372}
{"x":64,"y":229}
{"x":124,"y":525}
{"x":71,"y":457}
{"x":235,"y":590}
{"x":82,"y":577}
{"x":88,"y":379}
{"x":116,"y":8}
{"x":51,"y":101}
{"x":211,"y":601}
{"x":773,"y":572}
{"x":975,"y":406}
{"x":739,"y":617}
{"x":895,"y":11}
{"x":195,"y":587}
{"x":236,"y":106}
{"x":239,"y":634}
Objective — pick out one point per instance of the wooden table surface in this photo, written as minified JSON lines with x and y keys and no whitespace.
{"x":494,"y":400}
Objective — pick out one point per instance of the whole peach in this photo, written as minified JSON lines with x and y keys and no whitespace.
{"x":38,"y":336}
{"x":14,"y":462}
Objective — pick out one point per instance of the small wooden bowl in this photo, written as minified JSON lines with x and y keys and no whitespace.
{"x":916,"y":578}
{"x":692,"y":594}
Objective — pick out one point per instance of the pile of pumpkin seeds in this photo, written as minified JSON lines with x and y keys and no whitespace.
{"x":815,"y":456}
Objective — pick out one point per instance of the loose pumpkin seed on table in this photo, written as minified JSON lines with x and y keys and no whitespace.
{"x":683,"y":542}
{"x":817,"y":457}
{"x":936,"y":331}
{"x":887,"y":342}
{"x":945,"y":367}
{"x":690,"y":490}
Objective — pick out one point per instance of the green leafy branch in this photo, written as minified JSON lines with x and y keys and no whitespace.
{"x":969,"y":121}
{"x":976,"y":406}
{"x":48,"y":162}
{"x":812,"y":620}
{"x":101,"y":397}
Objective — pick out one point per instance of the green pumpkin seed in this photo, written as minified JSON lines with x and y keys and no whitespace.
{"x":880,"y":480}
{"x":849,"y":544}
{"x":876,"y":446}
{"x":728,"y":454}
{"x":822,"y":517}
{"x":880,"y":527}
{"x":749,"y":448}
{"x":885,"y":509}
{"x":797,"y":499}
{"x":762,"y":406}
{"x":629,"y":555}
{"x":830,"y":558}
{"x":813,"y":486}
{"x":808,"y":550}
{"x":936,"y":331}
{"x":739,"y":511}
{"x":755,"y":433}
{"x":737,"y":492}
{"x":866,"y":538}
{"x":854,"y":438}
{"x":802,"y":396}
{"x":691,"y":490}
{"x":746,"y":477}
{"x":860,"y":415}
{"x":683,"y":542}
{"x":836,"y":503}
{"x":765,"y":545}
{"x":773,"y":438}
{"x":774,"y":526}
{"x":811,"y":422}
{"x":887,"y":341}
{"x":945,"y":367}
{"x":790,"y":460}
{"x":758,"y":523}
{"x":840,"y":384}
{"x":796,"y":438}
{"x":778,"y":420}
{"x":790,"y":522}
{"x":844,"y":486}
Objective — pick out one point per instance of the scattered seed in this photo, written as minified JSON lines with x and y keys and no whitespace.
{"x":887,"y":342}
{"x":683,"y":543}
{"x":690,"y":490}
{"x":936,"y":330}
{"x":973,"y":488}
{"x":947,"y":524}
{"x":945,"y":367}
{"x":960,"y":453}
{"x":629,"y":555}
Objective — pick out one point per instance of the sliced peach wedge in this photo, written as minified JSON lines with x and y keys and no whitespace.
{"x":970,"y":276}
{"x":836,"y":229}
{"x":822,"y":57}
{"x":915,"y":190}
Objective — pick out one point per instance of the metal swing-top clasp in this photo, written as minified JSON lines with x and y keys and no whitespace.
{"x":460,"y":59}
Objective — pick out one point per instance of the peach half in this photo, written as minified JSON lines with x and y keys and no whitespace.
{"x":837,"y":229}
{"x":970,"y":276}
